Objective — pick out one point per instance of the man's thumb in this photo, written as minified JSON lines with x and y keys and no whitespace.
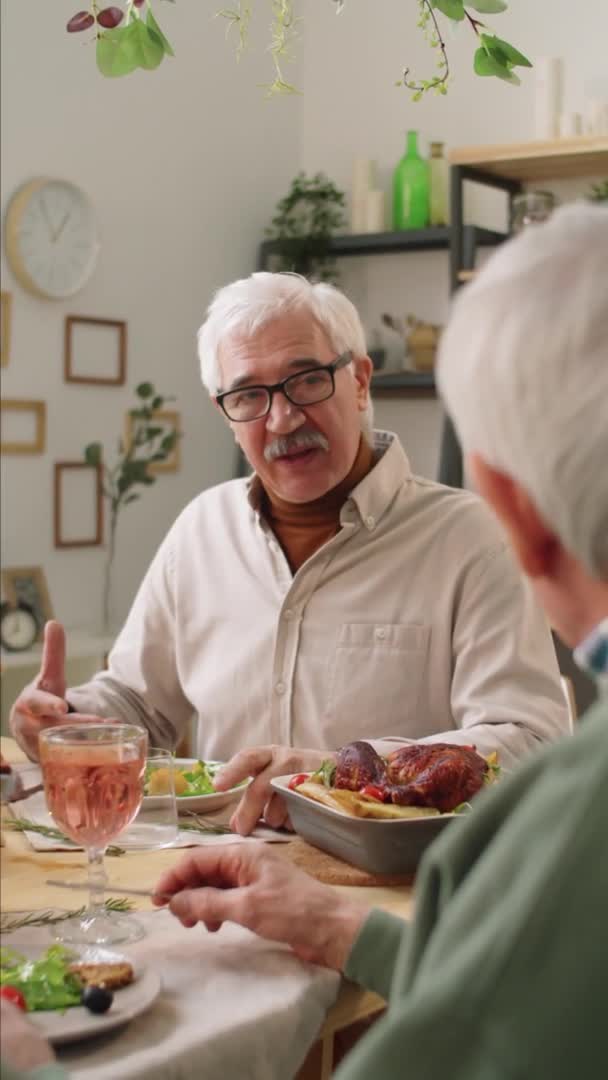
{"x":52,"y":669}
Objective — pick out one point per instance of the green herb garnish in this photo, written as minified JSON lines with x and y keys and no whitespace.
{"x":45,"y":983}
{"x":326,"y":773}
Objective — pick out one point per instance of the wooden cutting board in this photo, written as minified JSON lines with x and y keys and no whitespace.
{"x":333,"y":871}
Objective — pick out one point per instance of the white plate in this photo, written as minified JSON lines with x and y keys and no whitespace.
{"x":78,"y":1022}
{"x":199,"y":803}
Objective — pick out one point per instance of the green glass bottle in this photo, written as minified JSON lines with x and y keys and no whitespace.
{"x":411,"y":188}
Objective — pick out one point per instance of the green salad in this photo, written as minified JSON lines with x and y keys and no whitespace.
{"x":46,"y":983}
{"x":192,"y":779}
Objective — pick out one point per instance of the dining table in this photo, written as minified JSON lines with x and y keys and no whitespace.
{"x":230,"y":1004}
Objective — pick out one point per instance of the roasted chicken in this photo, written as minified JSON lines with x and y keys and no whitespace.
{"x":437,"y":775}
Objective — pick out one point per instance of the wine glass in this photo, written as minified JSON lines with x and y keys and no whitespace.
{"x":93,"y":781}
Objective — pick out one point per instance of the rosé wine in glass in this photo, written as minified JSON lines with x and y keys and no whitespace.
{"x":93,"y":781}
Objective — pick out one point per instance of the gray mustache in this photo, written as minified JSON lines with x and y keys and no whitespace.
{"x":300,"y":440}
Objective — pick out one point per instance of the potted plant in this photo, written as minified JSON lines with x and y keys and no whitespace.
{"x":302,"y":228}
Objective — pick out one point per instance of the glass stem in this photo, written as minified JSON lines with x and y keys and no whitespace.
{"x":97,"y":882}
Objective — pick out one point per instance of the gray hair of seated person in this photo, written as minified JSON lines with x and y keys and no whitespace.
{"x":523,"y":370}
{"x":247,"y":306}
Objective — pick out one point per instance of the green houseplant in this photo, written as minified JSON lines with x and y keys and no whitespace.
{"x":147,"y":444}
{"x":129,"y":37}
{"x":303,"y":225}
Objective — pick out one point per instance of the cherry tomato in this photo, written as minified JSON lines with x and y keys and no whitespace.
{"x":295,"y":781}
{"x":12,"y":994}
{"x":373,"y":792}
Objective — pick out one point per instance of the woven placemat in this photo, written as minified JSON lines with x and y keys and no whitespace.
{"x":333,"y":871}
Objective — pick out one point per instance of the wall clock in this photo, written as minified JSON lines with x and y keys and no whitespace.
{"x":18,"y":627}
{"x":51,"y":238}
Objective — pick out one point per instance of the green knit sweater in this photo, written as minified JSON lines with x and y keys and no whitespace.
{"x":503,"y":975}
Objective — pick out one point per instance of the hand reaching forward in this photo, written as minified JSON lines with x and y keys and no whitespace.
{"x":42,"y":703}
{"x":264,"y":762}
{"x":253,"y":886}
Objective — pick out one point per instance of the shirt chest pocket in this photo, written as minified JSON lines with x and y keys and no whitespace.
{"x":375,"y":677}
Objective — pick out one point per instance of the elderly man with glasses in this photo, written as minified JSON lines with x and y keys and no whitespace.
{"x":329,"y":597}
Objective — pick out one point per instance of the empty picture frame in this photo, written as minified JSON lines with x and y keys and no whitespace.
{"x":95,"y":351}
{"x":23,"y":426}
{"x":168,"y":420}
{"x":6,"y":302}
{"x":28,"y":585}
{"x":78,"y":511}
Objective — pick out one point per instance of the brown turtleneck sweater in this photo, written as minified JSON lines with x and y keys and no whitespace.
{"x":301,"y":528}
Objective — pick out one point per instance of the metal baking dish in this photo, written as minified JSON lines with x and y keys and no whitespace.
{"x":381,"y":847}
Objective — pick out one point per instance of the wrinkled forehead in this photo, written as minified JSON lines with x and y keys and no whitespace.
{"x":273,"y":349}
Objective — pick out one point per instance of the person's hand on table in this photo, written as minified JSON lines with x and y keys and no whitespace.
{"x":22,"y":1044}
{"x":259,"y":799}
{"x":252,"y":885}
{"x":42,"y":703}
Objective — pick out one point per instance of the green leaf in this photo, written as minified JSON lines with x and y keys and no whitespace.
{"x":153,"y":25}
{"x":144,"y":390}
{"x":152,"y":432}
{"x":454,"y":9}
{"x":116,"y":54}
{"x":484,"y":64}
{"x":487,"y":7}
{"x":131,"y":498}
{"x":157,"y":403}
{"x":512,"y":54}
{"x":169,"y":441}
{"x":92,"y":453}
{"x":148,"y":45}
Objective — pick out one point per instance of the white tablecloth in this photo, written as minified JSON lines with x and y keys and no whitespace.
{"x":232,"y":1007}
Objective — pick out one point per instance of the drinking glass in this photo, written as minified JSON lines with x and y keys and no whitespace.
{"x":155,"y":824}
{"x":93,"y":781}
{"x":530,"y":208}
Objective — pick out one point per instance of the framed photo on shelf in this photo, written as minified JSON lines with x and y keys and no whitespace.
{"x":6,"y":302}
{"x":23,"y":426}
{"x":27,"y":584}
{"x":95,"y":351}
{"x":78,"y":510}
{"x":168,"y":420}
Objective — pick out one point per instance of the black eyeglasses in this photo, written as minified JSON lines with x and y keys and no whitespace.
{"x":307,"y":387}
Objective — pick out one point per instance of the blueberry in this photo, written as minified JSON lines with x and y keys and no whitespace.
{"x":97,"y":999}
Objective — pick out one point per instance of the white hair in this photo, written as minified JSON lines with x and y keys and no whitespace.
{"x":246,"y":306}
{"x":523,"y":369}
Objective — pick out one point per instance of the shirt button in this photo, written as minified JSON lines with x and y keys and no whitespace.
{"x":289,"y":613}
{"x":380,"y":633}
{"x":280,"y":688}
{"x":370,"y":521}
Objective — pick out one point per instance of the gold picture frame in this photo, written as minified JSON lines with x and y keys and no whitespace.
{"x":117,"y":374}
{"x":28,"y":585}
{"x":37,"y":444}
{"x":168,"y":419}
{"x":6,"y":307}
{"x":96,"y":537}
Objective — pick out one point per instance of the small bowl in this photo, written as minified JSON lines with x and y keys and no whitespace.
{"x":393,"y":846}
{"x":198,"y":803}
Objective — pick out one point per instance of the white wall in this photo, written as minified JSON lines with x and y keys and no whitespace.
{"x":184,"y":166}
{"x":351,"y":108}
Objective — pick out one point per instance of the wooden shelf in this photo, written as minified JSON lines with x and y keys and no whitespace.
{"x":584,"y":155}
{"x":413,"y":383}
{"x":385,"y":243}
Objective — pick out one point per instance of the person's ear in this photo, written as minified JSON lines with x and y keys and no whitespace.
{"x":535,"y":544}
{"x":362,"y":368}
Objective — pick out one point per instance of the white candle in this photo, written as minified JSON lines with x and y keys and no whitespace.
{"x":548,"y":93}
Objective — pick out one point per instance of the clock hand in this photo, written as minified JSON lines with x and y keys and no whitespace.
{"x":47,"y":219}
{"x":62,"y":226}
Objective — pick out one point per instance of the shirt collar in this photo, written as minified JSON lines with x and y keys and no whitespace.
{"x":592,"y":654}
{"x":372,"y":495}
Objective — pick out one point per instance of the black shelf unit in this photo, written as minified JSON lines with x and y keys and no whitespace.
{"x":388,"y":243}
{"x":412,"y":383}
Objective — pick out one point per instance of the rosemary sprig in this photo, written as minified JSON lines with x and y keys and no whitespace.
{"x":9,"y":923}
{"x":203,"y":825}
{"x":21,"y":824}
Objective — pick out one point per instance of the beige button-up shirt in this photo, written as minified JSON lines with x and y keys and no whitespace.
{"x":411,"y":623}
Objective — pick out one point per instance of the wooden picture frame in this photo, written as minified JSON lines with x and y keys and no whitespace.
{"x":113,"y":373}
{"x":168,"y":418}
{"x":35,"y":445}
{"x":6,"y":307}
{"x":60,"y":528}
{"x":28,"y":584}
